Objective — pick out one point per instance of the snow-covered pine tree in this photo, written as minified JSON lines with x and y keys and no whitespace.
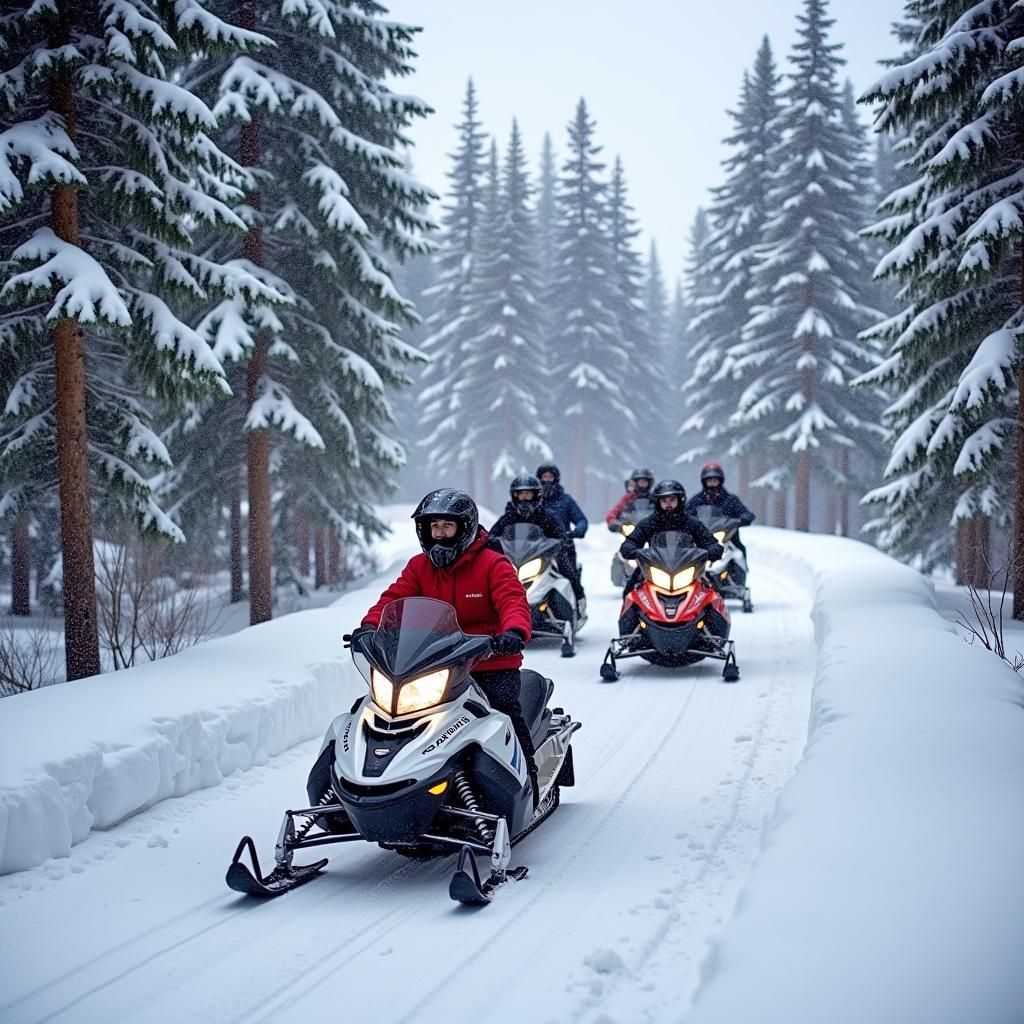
{"x":589,"y":365}
{"x":325,"y":134}
{"x":800,"y":349}
{"x":108,"y":168}
{"x":501,"y":383}
{"x":659,"y":355}
{"x":957,"y":240}
{"x":546,"y":212}
{"x":736,"y":218}
{"x":442,"y":420}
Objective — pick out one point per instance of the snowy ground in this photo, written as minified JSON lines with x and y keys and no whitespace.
{"x":633,"y":898}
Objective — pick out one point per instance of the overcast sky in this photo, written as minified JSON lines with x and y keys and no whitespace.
{"x":658,"y":76}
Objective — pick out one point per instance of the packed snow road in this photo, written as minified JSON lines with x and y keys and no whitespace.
{"x":629,"y":881}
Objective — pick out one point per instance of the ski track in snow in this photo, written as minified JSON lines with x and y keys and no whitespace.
{"x":630,"y":880}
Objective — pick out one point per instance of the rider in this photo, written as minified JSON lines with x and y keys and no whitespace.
{"x":458,"y":567}
{"x":713,"y":493}
{"x":565,"y":509}
{"x":641,"y":479}
{"x":669,"y":498}
{"x":528,"y":506}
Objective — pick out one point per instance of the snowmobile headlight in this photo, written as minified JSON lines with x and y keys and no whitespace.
{"x":627,"y":528}
{"x":684,"y":578}
{"x":382,"y":689}
{"x":720,"y":536}
{"x":531,"y":569}
{"x":423,"y":691}
{"x":660,"y":578}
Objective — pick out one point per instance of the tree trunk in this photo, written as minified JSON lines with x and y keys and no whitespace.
{"x":970,"y":552}
{"x":335,"y":567}
{"x":21,"y":567}
{"x":962,"y":548}
{"x":81,"y":630}
{"x":982,"y":551}
{"x":758,"y":498}
{"x":744,"y":479}
{"x":261,"y":556}
{"x":319,"y":557}
{"x":803,"y":491}
{"x":235,"y":529}
{"x":300,"y":520}
{"x":780,"y":509}
{"x":581,"y":456}
{"x":844,"y":494}
{"x":831,"y":511}
{"x":1017,"y":565}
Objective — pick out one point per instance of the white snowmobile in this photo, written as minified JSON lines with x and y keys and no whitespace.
{"x":552,"y":601}
{"x":729,"y":574}
{"x":623,"y":568}
{"x":423,"y":765}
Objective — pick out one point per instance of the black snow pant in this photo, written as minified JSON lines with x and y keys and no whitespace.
{"x":502,"y":687}
{"x":743,"y":547}
{"x":566,"y":562}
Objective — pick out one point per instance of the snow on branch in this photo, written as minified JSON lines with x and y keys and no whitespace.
{"x":88,"y":295}
{"x":989,"y":368}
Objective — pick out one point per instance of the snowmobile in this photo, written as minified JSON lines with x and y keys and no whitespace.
{"x":673,"y":618}
{"x":423,"y":765}
{"x":623,"y":568}
{"x":729,"y":574}
{"x":552,"y":601}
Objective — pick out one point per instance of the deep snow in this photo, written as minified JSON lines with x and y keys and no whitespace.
{"x":886,"y":889}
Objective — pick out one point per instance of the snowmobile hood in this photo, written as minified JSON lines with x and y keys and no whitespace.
{"x":419,"y":633}
{"x":672,"y":551}
{"x":716,"y":520}
{"x":523,"y":541}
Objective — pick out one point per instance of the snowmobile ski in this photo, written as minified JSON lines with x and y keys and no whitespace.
{"x":281,"y":880}
{"x":467,"y":888}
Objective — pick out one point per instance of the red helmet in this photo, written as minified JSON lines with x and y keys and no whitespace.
{"x":712,"y":469}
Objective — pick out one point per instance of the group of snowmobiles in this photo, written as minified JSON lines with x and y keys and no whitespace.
{"x":422,"y":764}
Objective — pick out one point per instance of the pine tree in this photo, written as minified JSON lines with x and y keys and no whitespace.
{"x":442,"y":421}
{"x":110,"y":169}
{"x":957,"y":241}
{"x":589,"y":361}
{"x":546,"y":212}
{"x":335,"y":205}
{"x":714,"y":386}
{"x":800,"y":349}
{"x":657,"y":326}
{"x":498,"y":386}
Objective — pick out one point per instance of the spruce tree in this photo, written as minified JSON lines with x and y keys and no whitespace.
{"x":714,"y":385}
{"x":590,"y":365}
{"x":957,"y":247}
{"x":335,"y":206}
{"x":442,"y":419}
{"x":662,"y":411}
{"x":110,"y":171}
{"x":800,"y":349}
{"x":546,"y":212}
{"x":500,"y":385}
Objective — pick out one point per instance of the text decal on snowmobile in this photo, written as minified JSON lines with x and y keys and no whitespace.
{"x":447,"y":734}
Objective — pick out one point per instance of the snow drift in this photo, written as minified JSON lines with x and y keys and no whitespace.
{"x":888,"y":888}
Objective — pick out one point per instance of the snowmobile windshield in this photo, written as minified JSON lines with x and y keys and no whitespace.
{"x":671,"y":562}
{"x":722,"y":526}
{"x":523,"y":542}
{"x":633,"y":513}
{"x":419,"y":633}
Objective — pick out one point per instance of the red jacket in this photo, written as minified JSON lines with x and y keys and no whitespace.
{"x":618,"y":507}
{"x":483,"y":587}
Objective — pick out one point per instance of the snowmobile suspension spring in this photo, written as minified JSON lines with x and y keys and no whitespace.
{"x":468,"y":798}
{"x":326,"y":798}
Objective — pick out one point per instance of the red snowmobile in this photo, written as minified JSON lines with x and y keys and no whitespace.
{"x":674,"y":617}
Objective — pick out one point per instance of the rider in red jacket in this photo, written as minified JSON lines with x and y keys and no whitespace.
{"x":482,"y":585}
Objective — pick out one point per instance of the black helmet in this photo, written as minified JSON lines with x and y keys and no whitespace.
{"x":641,"y":474}
{"x":549,"y":467}
{"x":525,"y":482}
{"x":710,"y":470}
{"x":446,"y":503}
{"x":664,"y":488}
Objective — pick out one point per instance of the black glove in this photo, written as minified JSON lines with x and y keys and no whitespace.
{"x":358,"y":631}
{"x":613,"y":527}
{"x":509,"y":642}
{"x":746,"y":519}
{"x":716,"y":551}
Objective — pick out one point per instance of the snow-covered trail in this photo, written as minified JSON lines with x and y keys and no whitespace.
{"x":629,"y":880}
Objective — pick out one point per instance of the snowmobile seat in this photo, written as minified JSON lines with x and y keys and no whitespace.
{"x":534,"y":694}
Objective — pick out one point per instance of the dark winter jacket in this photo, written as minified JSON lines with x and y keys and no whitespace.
{"x":549,"y":525}
{"x":661,"y":522}
{"x":564,"y":508}
{"x":480,"y":584}
{"x":726,"y":503}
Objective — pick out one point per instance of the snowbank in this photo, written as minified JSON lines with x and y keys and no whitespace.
{"x":889,"y":885}
{"x":86,"y":755}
